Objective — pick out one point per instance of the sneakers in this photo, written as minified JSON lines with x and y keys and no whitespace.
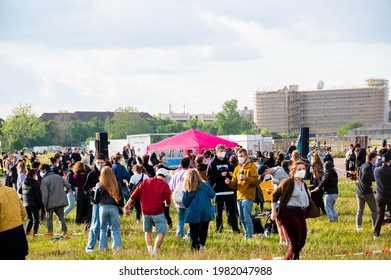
{"x":202,"y":249}
{"x":155,"y":252}
{"x":376,"y":237}
{"x":89,"y":250}
{"x":186,"y":237}
{"x":283,"y":243}
{"x":359,"y":228}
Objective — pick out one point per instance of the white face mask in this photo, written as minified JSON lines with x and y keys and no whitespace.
{"x":164,"y":159}
{"x":300,"y":174}
{"x":42,"y":174}
{"x":221,"y":155}
{"x":241,"y":160}
{"x":99,"y":166}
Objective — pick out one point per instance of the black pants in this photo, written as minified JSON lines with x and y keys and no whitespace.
{"x":83,"y":208}
{"x":317,"y":198}
{"x":198,"y":234}
{"x":33,"y":219}
{"x":381,"y":209}
{"x":230,"y":207}
{"x":167,"y":216}
{"x":137,"y":206}
{"x":13,"y":244}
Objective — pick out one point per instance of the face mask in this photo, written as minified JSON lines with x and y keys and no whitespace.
{"x":99,"y":166}
{"x":241,"y":160}
{"x":164,"y":159}
{"x":222,"y":155}
{"x":300,"y":174}
{"x":42,"y":174}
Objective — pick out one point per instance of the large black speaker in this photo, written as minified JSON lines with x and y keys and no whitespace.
{"x":101,"y":143}
{"x":304,"y":141}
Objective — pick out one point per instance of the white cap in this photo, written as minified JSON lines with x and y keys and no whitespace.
{"x":162,"y":171}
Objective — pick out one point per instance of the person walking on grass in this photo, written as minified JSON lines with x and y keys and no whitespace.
{"x":329,"y":186}
{"x":89,"y":189}
{"x":54,"y":198}
{"x":108,"y":193}
{"x":199,"y":210}
{"x":32,"y":201}
{"x":294,"y":199}
{"x":153,"y":193}
{"x":218,"y":170}
{"x":383,"y":192}
{"x":364,"y":191}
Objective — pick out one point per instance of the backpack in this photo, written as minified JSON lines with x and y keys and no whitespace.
{"x":178,"y":193}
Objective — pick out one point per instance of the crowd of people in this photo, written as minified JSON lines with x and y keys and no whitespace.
{"x":201,"y":189}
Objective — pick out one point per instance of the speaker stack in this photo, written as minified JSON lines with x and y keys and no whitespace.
{"x":101,"y":144}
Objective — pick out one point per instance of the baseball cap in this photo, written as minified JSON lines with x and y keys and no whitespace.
{"x":162,"y":171}
{"x":262,"y":169}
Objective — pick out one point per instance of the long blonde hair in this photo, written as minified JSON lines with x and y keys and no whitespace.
{"x":295,"y":156}
{"x":192,"y":180}
{"x":108,"y":182}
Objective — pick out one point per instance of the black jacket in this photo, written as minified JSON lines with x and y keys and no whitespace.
{"x":329,"y":183}
{"x":383,"y":183}
{"x":104,"y":197}
{"x":150,"y":171}
{"x":31,"y":193}
{"x":92,"y":180}
{"x":365,"y":179}
{"x":328,"y":157}
{"x":360,"y":160}
{"x":213,"y":173}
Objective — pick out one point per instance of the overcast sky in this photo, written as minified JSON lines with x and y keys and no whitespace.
{"x":104,"y":54}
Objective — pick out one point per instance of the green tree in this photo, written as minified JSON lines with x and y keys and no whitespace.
{"x":126,"y":121}
{"x":193,"y":123}
{"x":22,"y":128}
{"x":341,"y":131}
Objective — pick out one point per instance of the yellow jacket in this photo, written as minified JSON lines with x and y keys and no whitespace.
{"x":245,"y":188}
{"x":12,"y":211}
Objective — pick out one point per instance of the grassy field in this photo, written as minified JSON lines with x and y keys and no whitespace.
{"x":324,"y":241}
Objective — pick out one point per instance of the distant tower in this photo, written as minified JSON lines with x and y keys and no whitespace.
{"x":184,"y":108}
{"x":170,"y":108}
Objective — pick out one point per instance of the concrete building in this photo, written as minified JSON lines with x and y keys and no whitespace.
{"x":183,"y":117}
{"x":322,"y":110}
{"x":374,"y":131}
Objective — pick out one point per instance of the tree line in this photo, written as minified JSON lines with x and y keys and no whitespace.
{"x":23,"y":128}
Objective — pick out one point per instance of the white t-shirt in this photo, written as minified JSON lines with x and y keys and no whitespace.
{"x":137,"y":177}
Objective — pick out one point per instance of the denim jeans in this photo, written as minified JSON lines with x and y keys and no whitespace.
{"x":71,"y":202}
{"x":94,"y":228}
{"x":329,"y":202}
{"x":109,"y":216}
{"x":245,"y":208}
{"x":370,"y":199}
{"x":180,"y":231}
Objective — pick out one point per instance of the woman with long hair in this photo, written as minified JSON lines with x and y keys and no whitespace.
{"x":315,"y":179}
{"x":109,"y":194}
{"x":294,"y":199}
{"x":199,"y":210}
{"x":83,"y":206}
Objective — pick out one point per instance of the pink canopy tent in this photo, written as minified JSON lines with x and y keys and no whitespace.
{"x":191,"y":139}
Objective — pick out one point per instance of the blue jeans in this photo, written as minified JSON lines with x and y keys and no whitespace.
{"x":71,"y":202}
{"x":245,"y":208}
{"x":180,"y":231}
{"x":125,"y":193}
{"x":94,"y":228}
{"x":329,"y":202}
{"x":109,"y":216}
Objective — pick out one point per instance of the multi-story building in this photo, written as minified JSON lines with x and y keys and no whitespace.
{"x":322,"y":110}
